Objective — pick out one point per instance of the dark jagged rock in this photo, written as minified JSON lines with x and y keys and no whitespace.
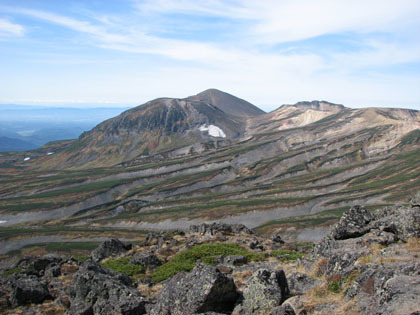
{"x":300,"y":283}
{"x":111,"y":247}
{"x":353,"y":223}
{"x":28,"y":289}
{"x":265,"y":290}
{"x":276,"y":238}
{"x":146,"y":260}
{"x":235,"y":260}
{"x":204,"y":289}
{"x":38,"y":265}
{"x":216,"y":227}
{"x":96,"y":290}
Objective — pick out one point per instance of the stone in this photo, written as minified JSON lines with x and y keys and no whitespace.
{"x":147,"y":260}
{"x":235,"y":260}
{"x":276,"y":238}
{"x":415,"y":201}
{"x":400,"y":295}
{"x":284,"y":309}
{"x":216,"y":227}
{"x":111,"y":247}
{"x":300,"y":283}
{"x":265,"y":290}
{"x":96,"y":290}
{"x":38,"y":265}
{"x":28,"y":289}
{"x":204,"y":289}
{"x":353,"y":223}
{"x":404,"y":222}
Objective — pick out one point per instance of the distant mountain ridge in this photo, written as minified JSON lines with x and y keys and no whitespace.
{"x":212,"y":119}
{"x":164,"y":124}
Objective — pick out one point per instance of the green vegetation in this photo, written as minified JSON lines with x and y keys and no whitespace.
{"x":122,"y":265}
{"x":187,"y":259}
{"x":335,"y":283}
{"x":286,"y":255}
{"x":69,"y":246}
{"x":11,"y":272}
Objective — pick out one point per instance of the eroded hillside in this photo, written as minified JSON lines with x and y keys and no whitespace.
{"x":296,"y":168}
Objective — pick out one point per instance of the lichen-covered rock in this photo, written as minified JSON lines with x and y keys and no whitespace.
{"x":265,"y":290}
{"x":96,"y":290}
{"x":28,"y":289}
{"x":300,"y":283}
{"x":415,"y":201}
{"x":111,"y":247}
{"x":216,"y":227}
{"x":353,"y":223}
{"x":387,"y":289}
{"x":147,"y":260}
{"x":404,"y":222}
{"x":400,"y":295}
{"x":204,"y":289}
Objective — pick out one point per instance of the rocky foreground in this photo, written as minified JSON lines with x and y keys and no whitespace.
{"x":368,"y":264}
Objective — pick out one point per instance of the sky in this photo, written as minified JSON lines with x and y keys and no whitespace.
{"x":358,"y":53}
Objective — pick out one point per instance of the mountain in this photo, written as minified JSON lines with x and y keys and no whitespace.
{"x":174,"y":162}
{"x":37,"y":125}
{"x":227,"y":103}
{"x":163,"y":124}
{"x":13,"y":144}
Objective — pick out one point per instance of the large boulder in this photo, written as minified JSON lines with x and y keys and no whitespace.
{"x":353,"y":223}
{"x":387,"y":289}
{"x":216,"y":227}
{"x":28,"y":289}
{"x":96,"y":290}
{"x":147,"y":260}
{"x":37,"y":265}
{"x":404,"y":222}
{"x":265,"y":290}
{"x":111,"y":247}
{"x":205,"y":289}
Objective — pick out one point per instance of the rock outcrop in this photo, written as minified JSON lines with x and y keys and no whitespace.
{"x":28,"y":289}
{"x":96,"y":290}
{"x":205,"y":289}
{"x":112,"y":247}
{"x":216,"y":227}
{"x":265,"y":290}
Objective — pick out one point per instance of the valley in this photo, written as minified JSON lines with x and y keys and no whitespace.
{"x":157,"y":167}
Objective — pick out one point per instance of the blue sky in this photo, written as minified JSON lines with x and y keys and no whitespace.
{"x":117,"y":53}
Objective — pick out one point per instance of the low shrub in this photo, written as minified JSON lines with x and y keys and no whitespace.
{"x":205,"y":253}
{"x":122,"y":265}
{"x":11,"y":272}
{"x":286,"y":255}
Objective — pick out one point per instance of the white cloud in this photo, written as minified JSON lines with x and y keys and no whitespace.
{"x":244,"y":67}
{"x":278,"y":21}
{"x":291,"y":20}
{"x":8,"y":28}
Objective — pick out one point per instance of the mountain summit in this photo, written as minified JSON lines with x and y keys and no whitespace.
{"x":228,"y":103}
{"x":164,"y":124}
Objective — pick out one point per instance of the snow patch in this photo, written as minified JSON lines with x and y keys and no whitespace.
{"x":2,"y":222}
{"x":27,"y":159}
{"x":49,"y":153}
{"x":213,"y":131}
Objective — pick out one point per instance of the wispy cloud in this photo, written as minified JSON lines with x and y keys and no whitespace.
{"x":8,"y":28}
{"x":266,"y":53}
